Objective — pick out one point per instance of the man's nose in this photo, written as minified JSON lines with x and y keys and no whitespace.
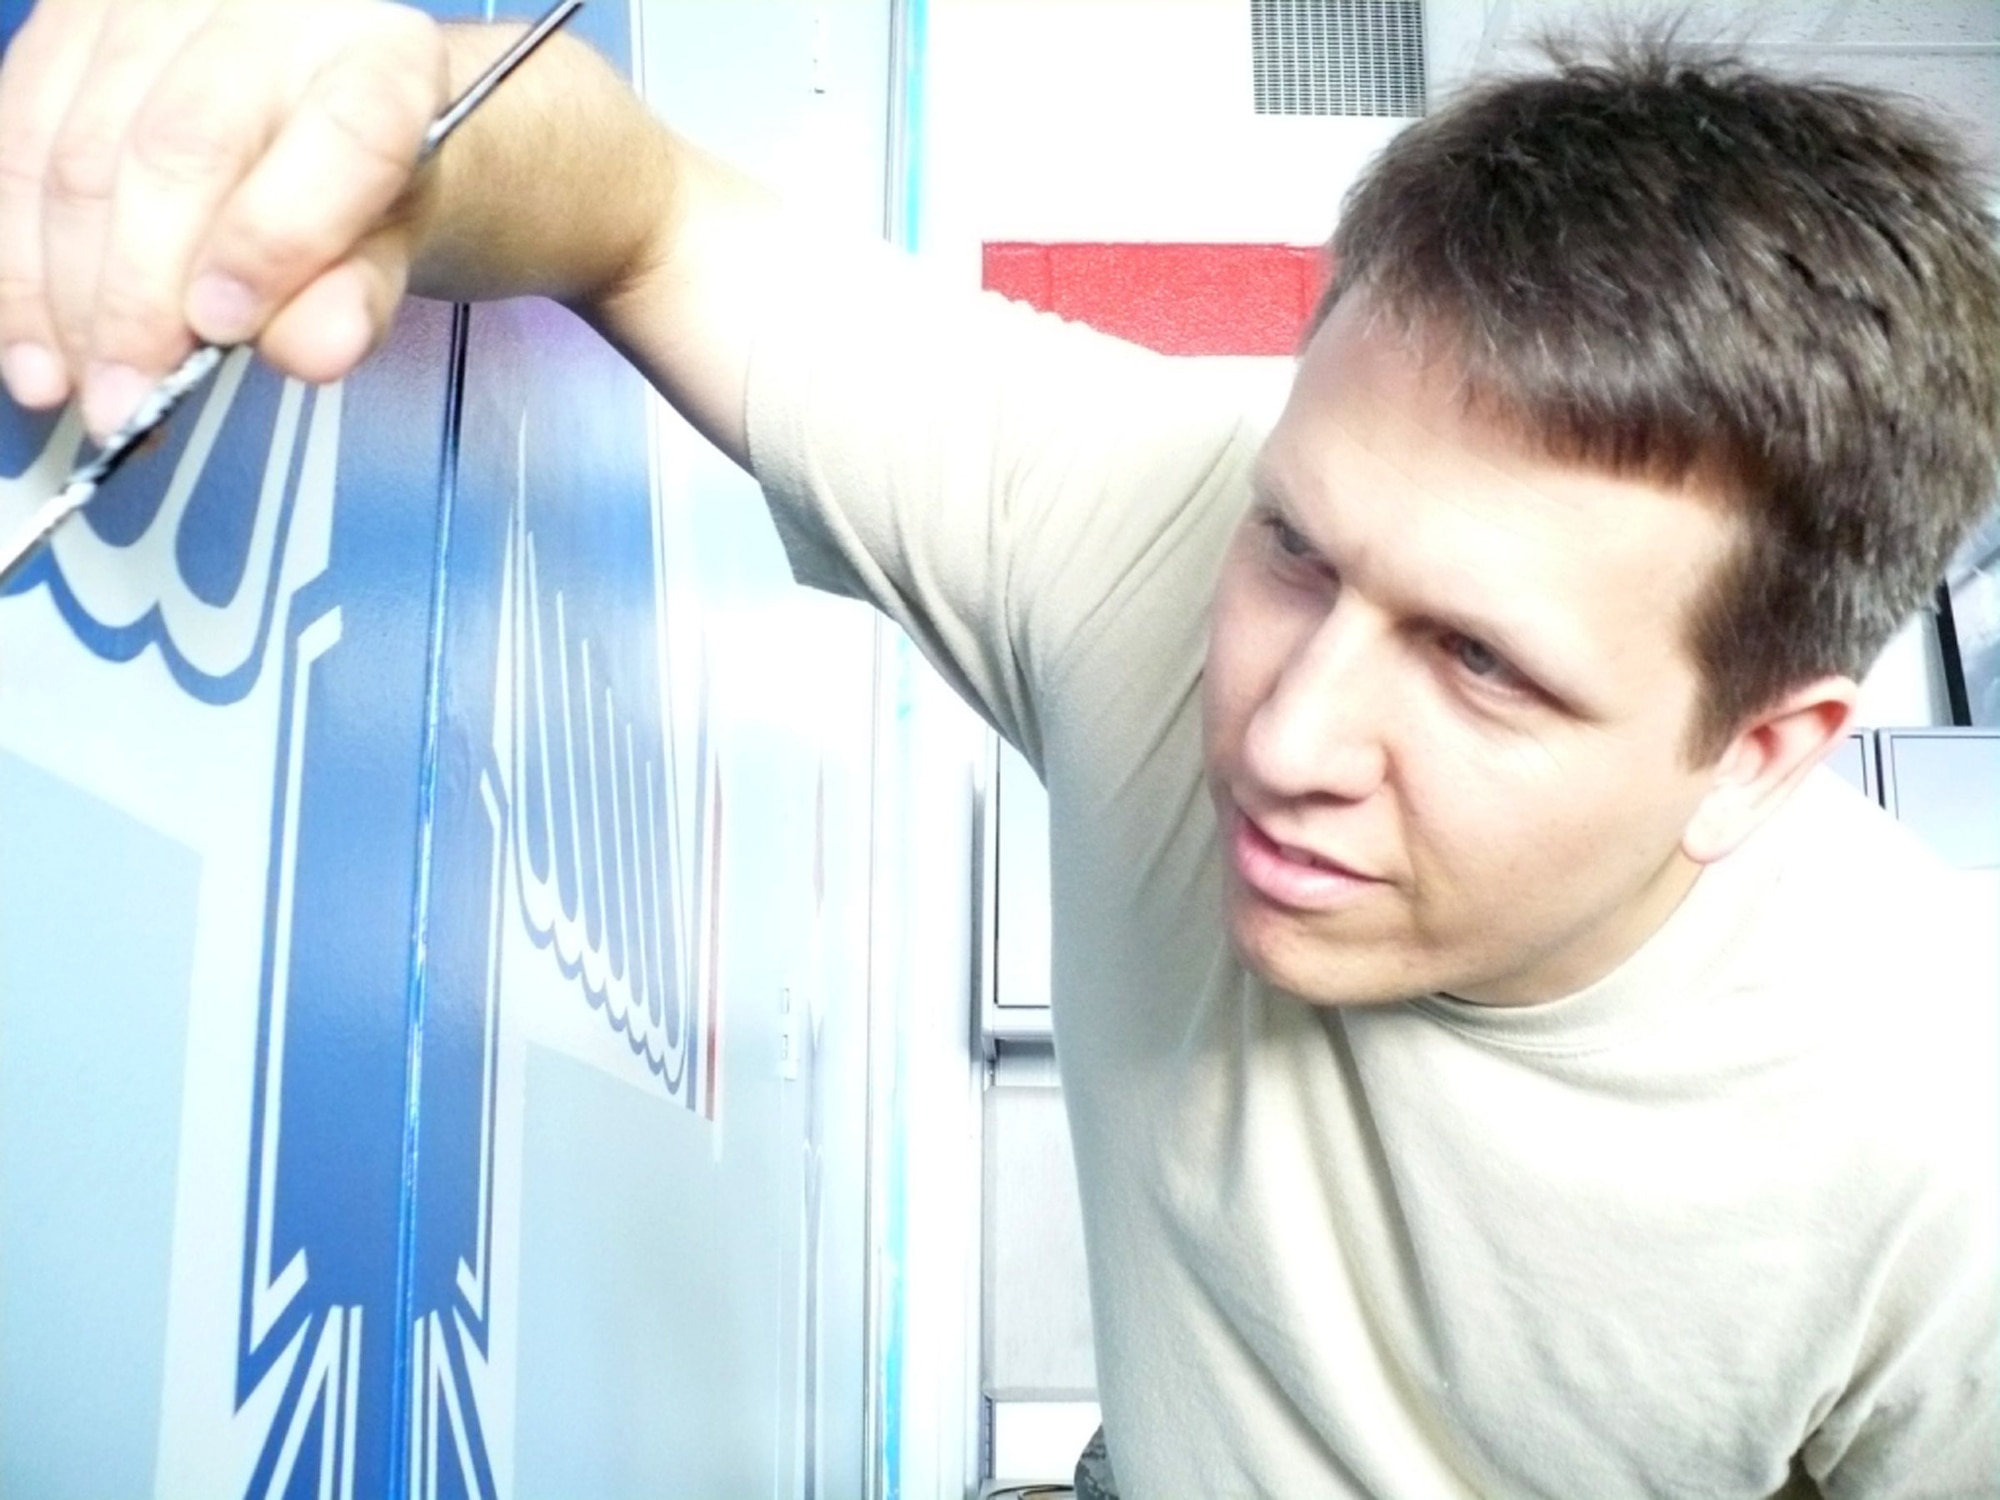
{"x":1320,"y":730}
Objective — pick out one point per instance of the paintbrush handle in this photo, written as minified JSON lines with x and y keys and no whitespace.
{"x":186,"y":377}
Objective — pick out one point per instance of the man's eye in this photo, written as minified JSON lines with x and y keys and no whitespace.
{"x":1476,"y":657}
{"x":1286,"y":537}
{"x":1482,"y":661}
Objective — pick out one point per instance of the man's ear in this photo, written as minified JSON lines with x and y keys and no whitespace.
{"x":1769,"y":756}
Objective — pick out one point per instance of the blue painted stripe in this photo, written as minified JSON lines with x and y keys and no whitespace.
{"x":910,"y":88}
{"x":904,"y":191}
{"x":417,"y":995}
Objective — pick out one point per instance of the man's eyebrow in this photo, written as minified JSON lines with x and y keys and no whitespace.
{"x":1498,"y":634}
{"x":1556,"y":672}
{"x":1268,"y":492}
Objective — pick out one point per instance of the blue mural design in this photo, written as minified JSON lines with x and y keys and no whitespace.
{"x":441,"y":585}
{"x":367,"y":1231}
{"x":324,"y":1222}
{"x":557,"y":674}
{"x":397,"y":1308}
{"x":556,"y":804}
{"x":203,"y":516}
{"x":188,"y":556}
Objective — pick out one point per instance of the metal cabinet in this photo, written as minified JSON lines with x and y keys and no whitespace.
{"x":1944,"y":784}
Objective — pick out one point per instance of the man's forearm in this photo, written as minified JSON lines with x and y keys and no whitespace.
{"x":568,"y":187}
{"x":554,"y":187}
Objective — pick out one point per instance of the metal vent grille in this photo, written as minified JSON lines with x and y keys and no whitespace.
{"x":1337,"y":57}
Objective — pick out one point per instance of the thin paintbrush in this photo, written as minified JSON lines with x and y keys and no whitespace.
{"x":85,"y":479}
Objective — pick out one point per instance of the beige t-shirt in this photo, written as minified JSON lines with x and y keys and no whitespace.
{"x":1733,"y":1204}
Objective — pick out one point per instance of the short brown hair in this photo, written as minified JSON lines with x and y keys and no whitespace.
{"x":1666,"y":259}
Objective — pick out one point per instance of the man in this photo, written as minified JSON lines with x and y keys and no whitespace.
{"x":1499,"y":1064}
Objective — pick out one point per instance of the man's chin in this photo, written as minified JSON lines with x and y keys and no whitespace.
{"x":1317,"y":971}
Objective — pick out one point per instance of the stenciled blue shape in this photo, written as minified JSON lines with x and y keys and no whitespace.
{"x":213,"y":543}
{"x":212,"y":539}
{"x":554,"y":549}
{"x":23,"y":435}
{"x":552,"y":459}
{"x":554,"y":494}
{"x":367,"y":1233}
{"x":324,"y":1227}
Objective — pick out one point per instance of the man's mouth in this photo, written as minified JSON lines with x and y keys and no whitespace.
{"x":1291,"y":876}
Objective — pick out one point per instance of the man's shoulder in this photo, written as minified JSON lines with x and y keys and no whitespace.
{"x":1890,"y":955}
{"x":1862,"y":938}
{"x":1849,"y":869}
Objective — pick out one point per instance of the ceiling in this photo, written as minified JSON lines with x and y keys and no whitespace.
{"x":1946,"y":52}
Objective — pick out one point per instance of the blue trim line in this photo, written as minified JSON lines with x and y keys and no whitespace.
{"x":903,"y":190}
{"x":417,"y":994}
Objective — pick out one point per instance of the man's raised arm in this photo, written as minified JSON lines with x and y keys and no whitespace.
{"x":242,"y":171}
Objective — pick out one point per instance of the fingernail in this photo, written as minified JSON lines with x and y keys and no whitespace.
{"x":111,"y":393}
{"x":222,"y":309}
{"x":34,"y":376}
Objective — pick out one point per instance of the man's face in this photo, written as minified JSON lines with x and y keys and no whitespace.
{"x":1447,"y":694}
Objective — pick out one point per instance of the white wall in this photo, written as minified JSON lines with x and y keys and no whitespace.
{"x":1119,"y":120}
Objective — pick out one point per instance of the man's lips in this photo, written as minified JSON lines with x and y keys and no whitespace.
{"x":1288,"y":875}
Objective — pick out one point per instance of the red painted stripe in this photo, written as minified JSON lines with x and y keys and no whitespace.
{"x":1179,"y":299}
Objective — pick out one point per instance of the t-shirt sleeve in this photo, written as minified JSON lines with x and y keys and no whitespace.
{"x":1923,"y":1417}
{"x":1919,"y":1417}
{"x":997,"y":480}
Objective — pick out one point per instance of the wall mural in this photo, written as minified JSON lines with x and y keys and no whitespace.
{"x":400,"y":664}
{"x":575,"y":827}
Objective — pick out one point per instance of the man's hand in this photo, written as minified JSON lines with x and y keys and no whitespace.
{"x":227,"y":171}
{"x":241,"y":171}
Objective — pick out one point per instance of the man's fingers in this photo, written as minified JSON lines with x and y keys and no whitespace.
{"x":340,"y":317}
{"x":192,"y":138}
{"x":359,"y":125}
{"x":87,"y":155}
{"x":43,"y":64}
{"x":173,"y":170}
